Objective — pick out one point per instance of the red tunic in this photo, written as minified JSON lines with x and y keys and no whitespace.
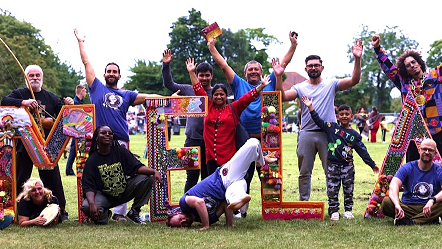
{"x":219,"y":126}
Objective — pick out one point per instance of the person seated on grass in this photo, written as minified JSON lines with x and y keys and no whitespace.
{"x":422,"y":183}
{"x":113,"y":176}
{"x":342,"y":139}
{"x":32,"y":201}
{"x":224,"y":191}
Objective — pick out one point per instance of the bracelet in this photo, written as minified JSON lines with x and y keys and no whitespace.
{"x":434,"y":199}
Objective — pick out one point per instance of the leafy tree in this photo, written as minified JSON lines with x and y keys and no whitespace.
{"x":435,"y":54}
{"x":236,"y":47}
{"x":374,"y":83}
{"x":146,"y":78}
{"x":29,"y":47}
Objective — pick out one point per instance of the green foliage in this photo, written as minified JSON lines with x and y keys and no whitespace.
{"x":30,"y":48}
{"x":374,"y":88}
{"x":435,"y":54}
{"x":146,"y":78}
{"x":237,"y":48}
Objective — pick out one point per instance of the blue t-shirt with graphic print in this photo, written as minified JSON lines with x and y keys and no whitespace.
{"x":419,"y":186}
{"x":111,"y":106}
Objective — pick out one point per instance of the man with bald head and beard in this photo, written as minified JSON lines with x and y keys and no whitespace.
{"x":111,"y":103}
{"x":422,"y":183}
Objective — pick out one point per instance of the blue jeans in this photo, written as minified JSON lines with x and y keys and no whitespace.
{"x":71,"y":158}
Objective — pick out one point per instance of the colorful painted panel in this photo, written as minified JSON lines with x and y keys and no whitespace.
{"x":160,"y":156}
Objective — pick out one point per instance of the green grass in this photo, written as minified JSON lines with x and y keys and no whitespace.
{"x":249,"y":232}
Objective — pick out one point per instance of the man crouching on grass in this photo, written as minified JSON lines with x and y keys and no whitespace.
{"x":422,"y":181}
{"x":224,"y":191}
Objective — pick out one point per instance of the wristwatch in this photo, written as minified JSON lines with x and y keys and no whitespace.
{"x":434,"y":199}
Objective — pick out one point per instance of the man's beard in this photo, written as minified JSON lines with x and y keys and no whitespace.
{"x":110,"y":83}
{"x":314,"y":75}
{"x":36,"y":84}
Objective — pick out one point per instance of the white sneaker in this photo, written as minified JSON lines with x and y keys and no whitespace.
{"x":348,"y":215}
{"x":335,"y":216}
{"x":237,"y":216}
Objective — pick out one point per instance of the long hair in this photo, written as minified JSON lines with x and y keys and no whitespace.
{"x":400,"y":64}
{"x":29,"y":185}
{"x":94,"y":144}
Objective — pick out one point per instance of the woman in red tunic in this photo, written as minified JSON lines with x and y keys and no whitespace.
{"x":220,"y":122}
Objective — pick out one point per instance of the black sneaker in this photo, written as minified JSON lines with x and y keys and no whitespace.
{"x":437,"y":221}
{"x":244,"y":215}
{"x":404,"y":222}
{"x":134,"y":216}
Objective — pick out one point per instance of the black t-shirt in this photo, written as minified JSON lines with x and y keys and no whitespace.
{"x":108,"y":173}
{"x":29,"y":209}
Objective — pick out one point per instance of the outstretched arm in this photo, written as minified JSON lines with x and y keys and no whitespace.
{"x":348,"y":82}
{"x":289,"y":55}
{"x":90,"y":73}
{"x":200,"y":206}
{"x":227,"y":70}
{"x":142,"y":96}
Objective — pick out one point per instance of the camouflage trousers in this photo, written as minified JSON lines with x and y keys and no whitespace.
{"x":338,"y":174}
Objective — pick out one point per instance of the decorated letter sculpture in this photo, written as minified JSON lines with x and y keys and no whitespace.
{"x":17,"y":123}
{"x":160,"y":156}
{"x":410,"y":126}
{"x":273,"y":206}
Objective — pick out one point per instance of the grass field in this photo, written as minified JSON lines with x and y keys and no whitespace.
{"x":251,"y":232}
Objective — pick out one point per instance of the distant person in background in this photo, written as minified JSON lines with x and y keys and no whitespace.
{"x":80,"y":94}
{"x":373,"y":123}
{"x":361,"y":118}
{"x":384,"y":128}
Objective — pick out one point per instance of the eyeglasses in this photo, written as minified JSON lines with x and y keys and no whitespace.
{"x":412,"y":63}
{"x":428,"y":150}
{"x":313,"y":66}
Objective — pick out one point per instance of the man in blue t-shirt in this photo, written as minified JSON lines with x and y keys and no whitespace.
{"x":422,"y":181}
{"x":111,"y":103}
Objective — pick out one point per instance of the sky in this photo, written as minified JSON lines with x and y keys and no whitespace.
{"x":127,"y":31}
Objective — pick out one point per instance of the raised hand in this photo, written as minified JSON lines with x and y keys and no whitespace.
{"x":293,"y":38}
{"x":307,"y":102}
{"x":79,"y":38}
{"x":190,"y":64}
{"x":277,"y":67}
{"x":265,"y":80}
{"x":167,"y":56}
{"x":211,"y":43}
{"x":375,"y":41}
{"x":357,"y":48}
